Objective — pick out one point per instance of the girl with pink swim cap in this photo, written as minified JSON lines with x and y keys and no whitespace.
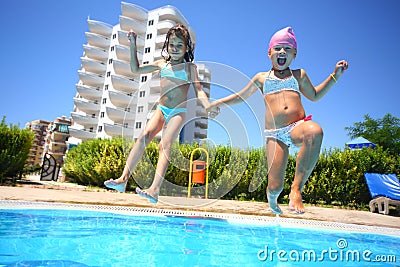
{"x":286,"y":123}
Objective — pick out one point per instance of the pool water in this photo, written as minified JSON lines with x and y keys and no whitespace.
{"x":57,"y":237}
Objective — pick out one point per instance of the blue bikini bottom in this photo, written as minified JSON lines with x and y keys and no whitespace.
{"x":170,"y":112}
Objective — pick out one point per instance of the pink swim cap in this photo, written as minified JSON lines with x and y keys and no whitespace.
{"x":283,"y":37}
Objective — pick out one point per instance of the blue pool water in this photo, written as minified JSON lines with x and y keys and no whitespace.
{"x":56,"y":237}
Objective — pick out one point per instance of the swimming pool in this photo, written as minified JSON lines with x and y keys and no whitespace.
{"x":43,"y":234}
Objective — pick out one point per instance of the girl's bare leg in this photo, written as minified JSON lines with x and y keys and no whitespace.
{"x":277,"y":157}
{"x":170,"y":134}
{"x":309,"y":136}
{"x":153,"y":126}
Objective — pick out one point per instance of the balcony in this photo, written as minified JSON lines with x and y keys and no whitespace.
{"x":200,"y":135}
{"x":164,"y":26}
{"x":122,"y":100}
{"x":95,"y":53}
{"x":118,"y":130}
{"x":91,"y":79}
{"x":171,"y":13}
{"x":152,"y":102}
{"x":124,"y":84}
{"x":98,"y":27}
{"x":157,"y":54}
{"x":82,"y":134}
{"x":122,"y":68}
{"x":201,"y":113}
{"x":155,"y":88}
{"x":97,"y":40}
{"x":92,"y":65}
{"x":86,"y":106}
{"x":133,"y":11}
{"x":119,"y":116}
{"x":201,"y":123}
{"x":160,"y":40}
{"x":84,"y":120}
{"x":89,"y":92}
{"x":128,"y":24}
{"x":123,"y":39}
{"x":124,"y":53}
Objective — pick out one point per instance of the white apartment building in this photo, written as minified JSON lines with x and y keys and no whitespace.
{"x":111,"y":101}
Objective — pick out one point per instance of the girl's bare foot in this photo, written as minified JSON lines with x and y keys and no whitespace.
{"x":273,"y":203}
{"x":296,"y":202}
{"x":144,"y":193}
{"x":117,"y":184}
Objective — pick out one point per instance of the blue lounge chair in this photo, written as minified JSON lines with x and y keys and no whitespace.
{"x":385,"y":191}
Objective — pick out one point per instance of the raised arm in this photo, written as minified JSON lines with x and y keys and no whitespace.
{"x":315,"y":93}
{"x":135,"y":68}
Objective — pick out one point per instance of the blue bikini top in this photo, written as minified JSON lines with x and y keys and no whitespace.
{"x":274,"y":85}
{"x":176,"y":74}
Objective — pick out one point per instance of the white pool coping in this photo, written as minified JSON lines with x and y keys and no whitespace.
{"x":229,"y":217}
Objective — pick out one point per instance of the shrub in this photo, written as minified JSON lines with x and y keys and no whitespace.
{"x":15,"y":144}
{"x":337,"y":179}
{"x":94,"y":161}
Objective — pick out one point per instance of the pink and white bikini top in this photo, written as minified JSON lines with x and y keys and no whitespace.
{"x":274,"y":85}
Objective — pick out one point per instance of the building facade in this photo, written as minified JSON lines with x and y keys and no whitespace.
{"x":39,"y":127}
{"x":56,"y":138}
{"x":111,"y":101}
{"x":51,"y":138}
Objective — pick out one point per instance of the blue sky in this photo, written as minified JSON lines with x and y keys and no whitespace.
{"x":42,"y":45}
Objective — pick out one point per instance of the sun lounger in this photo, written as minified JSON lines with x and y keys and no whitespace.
{"x":384,"y":190}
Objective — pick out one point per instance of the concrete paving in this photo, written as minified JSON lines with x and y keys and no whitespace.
{"x":40,"y":191}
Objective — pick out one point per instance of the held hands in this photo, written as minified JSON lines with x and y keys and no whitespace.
{"x":213,"y":110}
{"x":132,"y":36}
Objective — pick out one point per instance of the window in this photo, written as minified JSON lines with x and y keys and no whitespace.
{"x":102,"y":115}
{"x":149,"y":36}
{"x":100,"y":129}
{"x":93,"y":115}
{"x":147,"y":50}
{"x":145,"y":62}
{"x":144,"y":78}
{"x":138,"y":125}
{"x":104,"y":100}
{"x":140,"y":109}
{"x":127,"y":109}
{"x":151,"y":22}
{"x":110,"y":61}
{"x":108,"y":73}
{"x":114,"y":36}
{"x":91,"y":129}
{"x":106,"y":87}
{"x":125,"y":125}
{"x":112,"y":48}
{"x":142,"y":93}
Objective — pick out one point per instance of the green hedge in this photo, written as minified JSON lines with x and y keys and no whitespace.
{"x":337,"y":179}
{"x":14,"y":149}
{"x":94,"y":161}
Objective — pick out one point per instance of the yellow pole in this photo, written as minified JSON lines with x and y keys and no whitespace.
{"x":191,"y":170}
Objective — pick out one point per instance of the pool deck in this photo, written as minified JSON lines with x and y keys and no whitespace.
{"x":54,"y":192}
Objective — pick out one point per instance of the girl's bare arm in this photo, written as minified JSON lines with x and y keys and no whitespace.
{"x":317,"y":92}
{"x":135,"y":68}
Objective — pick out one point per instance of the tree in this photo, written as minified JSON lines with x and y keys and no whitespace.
{"x":384,"y":132}
{"x":14,"y":149}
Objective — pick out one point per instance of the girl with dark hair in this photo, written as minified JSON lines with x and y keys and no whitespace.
{"x":177,"y":72}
